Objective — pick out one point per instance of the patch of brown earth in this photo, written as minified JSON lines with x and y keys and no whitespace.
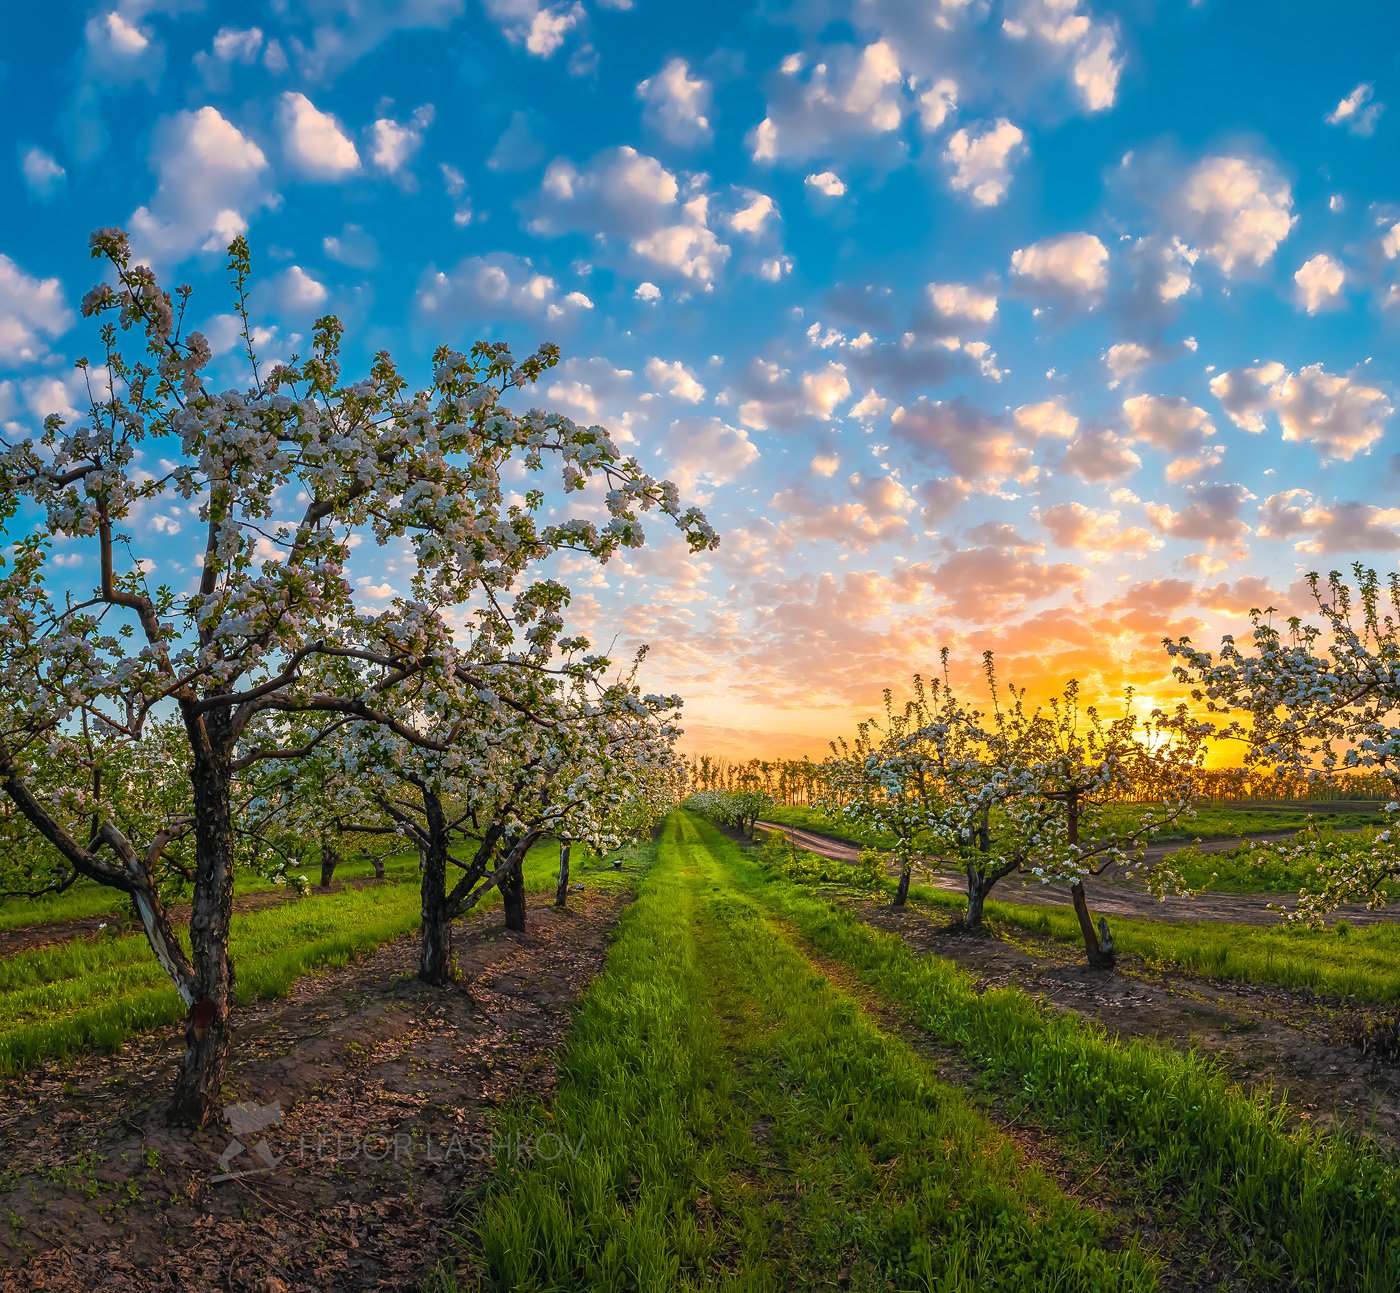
{"x":1291,"y":1042}
{"x":385,"y":1089}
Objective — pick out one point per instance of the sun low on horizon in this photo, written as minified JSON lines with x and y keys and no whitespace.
{"x":1039,"y":327}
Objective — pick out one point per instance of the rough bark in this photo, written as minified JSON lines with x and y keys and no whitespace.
{"x":976,"y":899}
{"x":199,"y":1086}
{"x":435,"y":940}
{"x":330,"y":859}
{"x":906,"y":873}
{"x":1101,"y":957}
{"x":378,"y":863}
{"x":512,"y":888}
{"x":561,"y":894}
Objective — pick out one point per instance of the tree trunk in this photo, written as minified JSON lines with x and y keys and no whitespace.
{"x":561,"y":894}
{"x":976,"y":899}
{"x":330,"y":859}
{"x":1100,"y":957}
{"x":378,"y":863}
{"x":906,"y":871}
{"x":513,"y":894}
{"x":199,"y":1087}
{"x":435,"y":939}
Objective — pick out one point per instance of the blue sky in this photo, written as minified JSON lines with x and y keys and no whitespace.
{"x":1024,"y":324}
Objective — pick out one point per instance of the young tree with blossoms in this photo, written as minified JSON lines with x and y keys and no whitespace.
{"x":281,"y":477}
{"x":1317,"y":699}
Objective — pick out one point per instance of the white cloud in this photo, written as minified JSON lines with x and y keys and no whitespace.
{"x":937,"y":104}
{"x":707,"y":449}
{"x":42,"y":174}
{"x":1237,"y":210}
{"x":314,"y":141}
{"x":1124,"y":359}
{"x":30,"y":309}
{"x":393,"y":143}
{"x":1358,"y":111}
{"x":754,"y":216}
{"x":295,"y":290}
{"x":1072,"y":267}
{"x":622,"y":194}
{"x":1338,"y":527}
{"x":961,"y":303}
{"x":676,"y":379}
{"x":1168,"y":422}
{"x":977,"y":446}
{"x":540,"y":29}
{"x":648,"y":292}
{"x":981,"y":164}
{"x":1100,"y":536}
{"x":484,"y":290}
{"x":677,"y":104}
{"x":1338,"y":416}
{"x":827,"y":183}
{"x":850,"y":96}
{"x":1319,"y":283}
{"x":211,"y":176}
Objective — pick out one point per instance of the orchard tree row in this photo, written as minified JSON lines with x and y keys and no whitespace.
{"x":160,"y":733}
{"x":1062,"y":791}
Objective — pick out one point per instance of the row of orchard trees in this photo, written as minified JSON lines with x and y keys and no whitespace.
{"x":1063,"y":791}
{"x":149,"y":731}
{"x":1056,"y":792}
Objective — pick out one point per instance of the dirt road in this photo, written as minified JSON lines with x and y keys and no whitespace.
{"x":1112,"y":896}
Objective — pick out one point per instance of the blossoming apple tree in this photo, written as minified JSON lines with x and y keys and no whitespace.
{"x":281,"y":478}
{"x":1317,"y":700}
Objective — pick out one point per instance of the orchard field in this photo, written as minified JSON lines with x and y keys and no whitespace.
{"x":724,"y":1062}
{"x":365,"y":923}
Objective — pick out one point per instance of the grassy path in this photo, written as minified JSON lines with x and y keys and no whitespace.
{"x":740,"y":1122}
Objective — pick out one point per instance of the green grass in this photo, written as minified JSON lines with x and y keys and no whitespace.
{"x":1296,"y":1208}
{"x":1212,"y":821}
{"x":744,"y":1125}
{"x":94,"y":993}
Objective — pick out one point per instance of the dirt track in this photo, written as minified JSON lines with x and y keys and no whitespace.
{"x":1112,"y":896}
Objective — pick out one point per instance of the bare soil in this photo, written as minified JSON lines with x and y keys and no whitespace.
{"x":1294,"y":1044}
{"x":386,"y":1089}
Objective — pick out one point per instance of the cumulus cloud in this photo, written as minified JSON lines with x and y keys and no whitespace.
{"x":1098,"y":535}
{"x":1098,"y":455}
{"x":314,"y":141}
{"x":1318,"y":283}
{"x":707,"y":450}
{"x":875,"y":512}
{"x":42,"y":175}
{"x":540,"y":29}
{"x":1237,"y":210}
{"x":827,"y":183}
{"x":851,"y":96}
{"x":981,"y":163}
{"x":483,"y":290}
{"x":30,"y":310}
{"x":677,"y":104}
{"x":297,"y":291}
{"x":961,"y":303}
{"x":1089,"y":49}
{"x":1358,"y":111}
{"x":1168,"y":422}
{"x":1125,"y":358}
{"x":976,"y":445}
{"x":1338,"y":416}
{"x":771,"y":396}
{"x":628,"y":196}
{"x":211,"y":177}
{"x":393,"y":143}
{"x":1318,"y":528}
{"x":676,"y":379}
{"x":1069,"y":269}
{"x":1212,"y":515}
